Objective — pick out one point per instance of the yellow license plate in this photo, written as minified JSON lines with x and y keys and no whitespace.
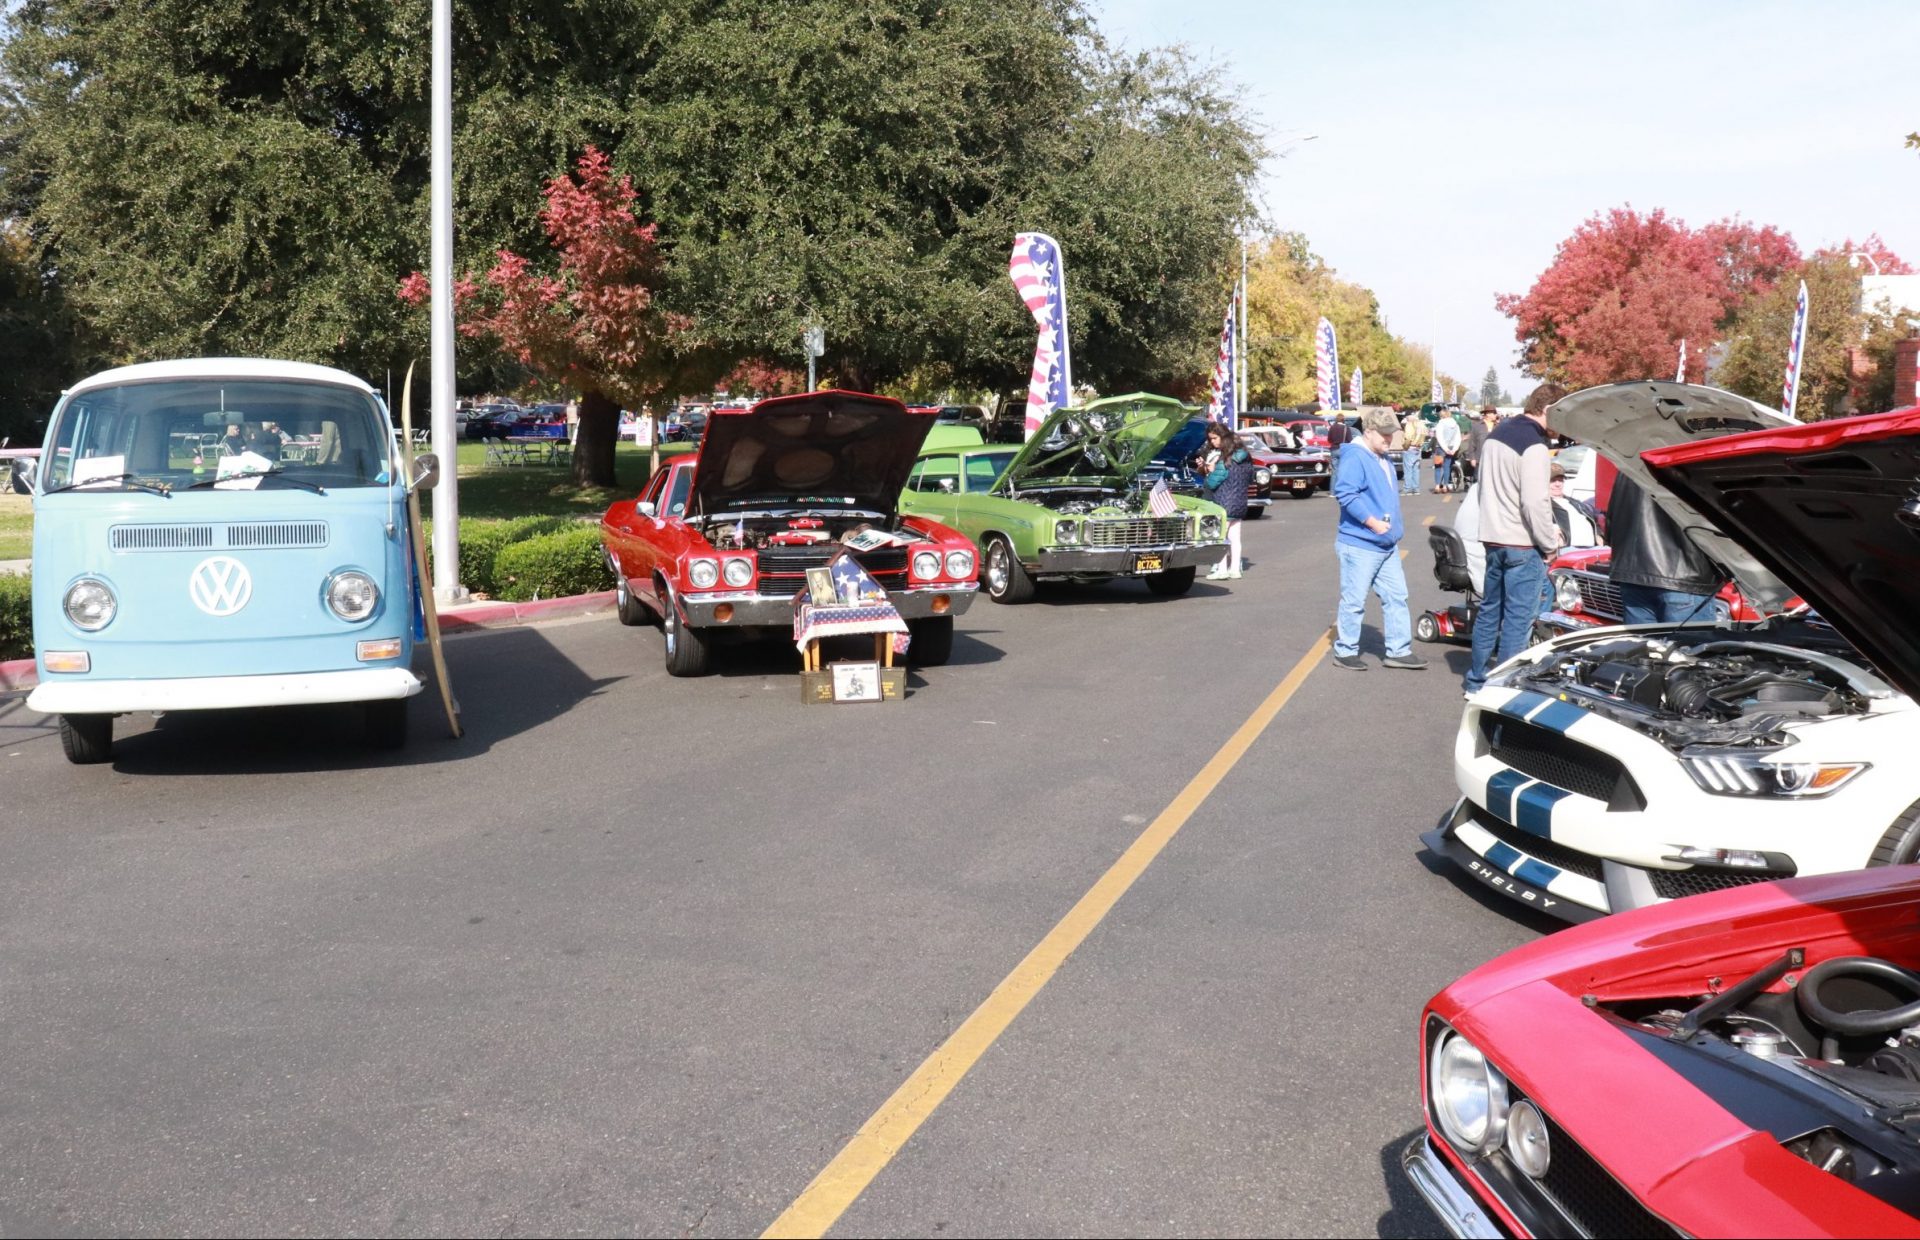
{"x":1146,"y":563}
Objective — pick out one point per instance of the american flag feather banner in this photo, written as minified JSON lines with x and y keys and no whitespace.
{"x":1680,"y":375}
{"x":1220,"y":400}
{"x":1790,"y":390}
{"x":1353,"y":389}
{"x":1326,"y":364}
{"x":1039,"y":275}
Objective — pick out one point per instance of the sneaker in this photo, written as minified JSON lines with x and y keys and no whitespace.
{"x":1216,"y":574}
{"x":1235,"y":575}
{"x":1408,"y":662}
{"x":1352,"y":662}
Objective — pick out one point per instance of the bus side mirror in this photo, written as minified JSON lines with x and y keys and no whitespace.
{"x":426,"y":472}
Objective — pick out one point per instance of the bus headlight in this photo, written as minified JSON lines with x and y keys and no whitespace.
{"x":90,"y":604}
{"x":352,"y":596}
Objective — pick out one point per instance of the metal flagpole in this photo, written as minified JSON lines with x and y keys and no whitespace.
{"x":446,"y":493}
{"x":1240,"y":345}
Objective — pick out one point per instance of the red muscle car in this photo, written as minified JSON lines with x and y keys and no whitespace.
{"x":1742,"y":1063}
{"x":721,"y":540}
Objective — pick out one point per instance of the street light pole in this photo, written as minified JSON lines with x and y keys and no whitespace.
{"x":446,"y":493}
{"x":1240,"y":352}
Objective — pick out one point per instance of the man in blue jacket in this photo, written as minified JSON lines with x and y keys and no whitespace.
{"x":1368,"y":545}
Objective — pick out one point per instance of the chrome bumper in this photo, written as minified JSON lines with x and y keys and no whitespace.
{"x":755,"y":611}
{"x":1459,"y":1212}
{"x":59,"y":696}
{"x":1119,"y":561}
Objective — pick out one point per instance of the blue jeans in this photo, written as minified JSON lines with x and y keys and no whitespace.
{"x":1410,"y":472}
{"x":1652,"y":605}
{"x":1363,"y":569}
{"x":1442,"y":470}
{"x":1508,"y":608}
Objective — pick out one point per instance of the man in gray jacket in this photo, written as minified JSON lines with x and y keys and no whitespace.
{"x":1518,"y":530}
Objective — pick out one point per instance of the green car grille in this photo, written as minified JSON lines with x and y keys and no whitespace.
{"x":1136,"y":531}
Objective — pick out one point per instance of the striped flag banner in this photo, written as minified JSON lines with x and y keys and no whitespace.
{"x":1790,"y":391}
{"x":1039,"y":274}
{"x":1433,"y":387}
{"x":1680,"y":375}
{"x":1220,"y":400}
{"x":1353,"y":388}
{"x":1326,"y":365}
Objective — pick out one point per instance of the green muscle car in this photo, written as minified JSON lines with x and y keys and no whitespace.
{"x":1067,"y":505}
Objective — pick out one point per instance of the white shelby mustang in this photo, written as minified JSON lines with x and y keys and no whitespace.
{"x":1619,"y":767}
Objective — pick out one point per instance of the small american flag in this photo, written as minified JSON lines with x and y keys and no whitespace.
{"x":1160,"y":500}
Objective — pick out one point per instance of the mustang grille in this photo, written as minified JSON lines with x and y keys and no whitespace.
{"x":1596,"y":1201}
{"x":278,"y":534}
{"x":1673,"y":884}
{"x":1598,"y":596}
{"x":161,"y":537}
{"x":1551,"y":758}
{"x":784,"y":569}
{"x":1136,"y":531}
{"x":1557,"y":855}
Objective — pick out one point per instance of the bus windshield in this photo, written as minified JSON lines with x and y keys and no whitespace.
{"x":175,"y":433}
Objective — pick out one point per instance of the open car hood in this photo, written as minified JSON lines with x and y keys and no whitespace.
{"x":1102,"y":443}
{"x":1623,"y":420}
{"x":1832,"y":509}
{"x":817,"y":447}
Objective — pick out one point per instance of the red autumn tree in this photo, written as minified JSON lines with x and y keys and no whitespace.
{"x":592,"y":325}
{"x":1885,"y":260}
{"x":1626,"y":288}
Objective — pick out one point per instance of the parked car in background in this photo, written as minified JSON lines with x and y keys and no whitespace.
{"x":1064,"y":506}
{"x":721,"y":540}
{"x":1300,"y":472}
{"x":1737,"y":1064}
{"x":1176,"y":463}
{"x":1311,"y":432}
{"x":686,"y":426}
{"x":1584,"y":597}
{"x":1614,"y":768}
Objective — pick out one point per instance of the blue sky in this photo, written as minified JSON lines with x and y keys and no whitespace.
{"x":1457,"y":144}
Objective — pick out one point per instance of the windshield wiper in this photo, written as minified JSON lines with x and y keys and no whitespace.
{"x":278,"y":471}
{"x":130,"y":480}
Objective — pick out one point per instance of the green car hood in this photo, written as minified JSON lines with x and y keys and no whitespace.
{"x":1102,"y":443}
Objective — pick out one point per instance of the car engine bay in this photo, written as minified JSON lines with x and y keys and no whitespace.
{"x":1086,"y":501}
{"x":757,"y":530}
{"x":1696,"y":687}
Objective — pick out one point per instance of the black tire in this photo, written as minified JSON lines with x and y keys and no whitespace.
{"x":385,"y":723}
{"x":626,"y":605}
{"x":932,"y":642}
{"x":87,"y":740}
{"x":1002,"y":574}
{"x":1171,"y":582}
{"x":1306,"y":494}
{"x":1426,"y":628}
{"x":1256,"y":511}
{"x":689,"y":653}
{"x":1901,"y":844}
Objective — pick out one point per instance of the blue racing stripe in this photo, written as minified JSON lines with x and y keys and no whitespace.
{"x":1557,"y":716}
{"x":1536,"y":872}
{"x":1523,"y":702}
{"x":1533,"y":809}
{"x":1504,"y":855}
{"x":1500,"y":790}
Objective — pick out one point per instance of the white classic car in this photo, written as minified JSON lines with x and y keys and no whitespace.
{"x":1618,"y":767}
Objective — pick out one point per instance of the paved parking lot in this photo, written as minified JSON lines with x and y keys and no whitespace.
{"x":640,"y":955}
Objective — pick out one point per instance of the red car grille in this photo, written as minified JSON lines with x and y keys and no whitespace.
{"x":783,"y":570}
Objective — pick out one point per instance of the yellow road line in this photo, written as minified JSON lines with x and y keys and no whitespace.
{"x":842,"y":1181}
{"x":1427,"y":520}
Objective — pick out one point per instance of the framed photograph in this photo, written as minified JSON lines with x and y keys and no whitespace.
{"x":856,"y":682}
{"x":820,"y":587}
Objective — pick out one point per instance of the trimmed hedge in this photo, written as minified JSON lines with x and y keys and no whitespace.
{"x":555,"y":565}
{"x":481,"y":543}
{"x":16,"y":616}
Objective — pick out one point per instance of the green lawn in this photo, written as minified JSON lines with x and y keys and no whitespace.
{"x":16,"y":527}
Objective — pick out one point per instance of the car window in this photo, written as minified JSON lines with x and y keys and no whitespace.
{"x":936,"y":473}
{"x":682,"y":483}
{"x":984,"y":469}
{"x":654,"y":486}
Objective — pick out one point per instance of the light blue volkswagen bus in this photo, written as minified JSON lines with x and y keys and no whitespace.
{"x":221,"y":533}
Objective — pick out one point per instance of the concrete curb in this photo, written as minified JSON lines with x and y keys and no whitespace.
{"x":20,"y":674}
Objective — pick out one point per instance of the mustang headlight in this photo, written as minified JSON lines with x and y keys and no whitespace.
{"x":959,"y":563}
{"x":926,"y":564}
{"x":90,"y":604}
{"x":352,"y":595}
{"x":1734,"y":774}
{"x":702,"y":574}
{"x":1065,"y":532}
{"x":1209,"y":526}
{"x":1527,"y":1141}
{"x":1319,"y":467}
{"x":738,"y":573}
{"x":1262,"y":476}
{"x":1566,"y":592}
{"x":1468,"y":1095}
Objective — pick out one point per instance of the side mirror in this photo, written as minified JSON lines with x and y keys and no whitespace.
{"x":25,"y":470}
{"x":426,"y":472}
{"x":644,"y":508}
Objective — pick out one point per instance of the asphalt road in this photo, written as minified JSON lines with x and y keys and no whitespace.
{"x":639,"y":954}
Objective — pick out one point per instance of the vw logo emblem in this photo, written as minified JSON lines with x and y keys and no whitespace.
{"x":220,"y":585}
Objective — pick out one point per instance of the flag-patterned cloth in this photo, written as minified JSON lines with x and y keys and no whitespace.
{"x":1220,"y":401}
{"x":1433,"y":387}
{"x":862,"y":608}
{"x":1326,"y":365}
{"x":1680,"y":375}
{"x":1160,"y":500}
{"x":1353,"y":389}
{"x":1790,"y":391}
{"x":1039,"y":275}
